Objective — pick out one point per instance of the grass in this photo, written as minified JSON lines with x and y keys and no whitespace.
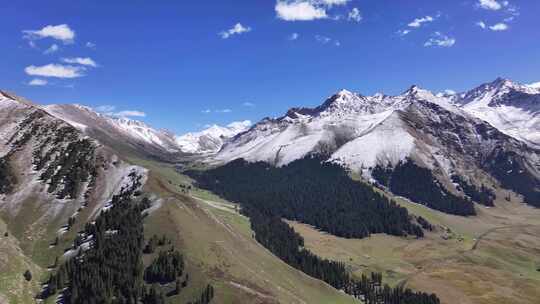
{"x":13,"y":263}
{"x":501,"y":269}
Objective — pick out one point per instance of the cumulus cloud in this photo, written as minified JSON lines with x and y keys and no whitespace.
{"x":237,"y":29}
{"x":55,"y":70}
{"x":355,"y":15}
{"x":440,"y":40}
{"x":499,"y":27}
{"x":80,"y":60}
{"x":491,"y":4}
{"x":60,"y":32}
{"x":248,"y":104}
{"x":52,"y":49}
{"x":37,"y":82}
{"x":206,"y":111}
{"x":90,"y":45}
{"x":298,"y":10}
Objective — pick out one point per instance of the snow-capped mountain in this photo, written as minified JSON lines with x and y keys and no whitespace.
{"x":211,"y":139}
{"x":510,"y":107}
{"x":141,"y":137}
{"x":535,"y":85}
{"x":115,"y":131}
{"x":344,"y":126}
{"x":438,"y":132}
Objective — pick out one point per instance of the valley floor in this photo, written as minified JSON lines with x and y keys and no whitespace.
{"x":491,"y":258}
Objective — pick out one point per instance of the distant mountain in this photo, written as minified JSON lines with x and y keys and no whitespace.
{"x":535,"y":85}
{"x":117,"y":131}
{"x":142,"y":138}
{"x":211,"y":139}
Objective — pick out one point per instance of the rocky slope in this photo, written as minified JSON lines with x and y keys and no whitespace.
{"x":120,"y":132}
{"x":52,"y":178}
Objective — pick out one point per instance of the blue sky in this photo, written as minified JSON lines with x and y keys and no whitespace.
{"x":186,"y":64}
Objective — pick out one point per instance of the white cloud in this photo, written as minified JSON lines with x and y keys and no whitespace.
{"x":403,"y":32}
{"x":37,"y":82}
{"x":55,"y":70}
{"x":105,"y":109}
{"x":499,"y":27}
{"x":481,"y":24}
{"x":206,"y":111}
{"x":224,"y":111}
{"x":129,"y":113}
{"x":237,"y":29}
{"x":491,"y":4}
{"x":248,"y":104}
{"x":299,"y":10}
{"x":82,"y":61}
{"x":52,"y":49}
{"x":333,"y":2}
{"x":418,"y":21}
{"x":60,"y":32}
{"x":293,"y":36}
{"x":90,"y":45}
{"x":440,"y":40}
{"x":355,"y":15}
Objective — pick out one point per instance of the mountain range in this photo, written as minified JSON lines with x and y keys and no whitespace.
{"x":61,"y":165}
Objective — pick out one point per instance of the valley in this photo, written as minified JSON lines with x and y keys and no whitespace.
{"x":412,"y":190}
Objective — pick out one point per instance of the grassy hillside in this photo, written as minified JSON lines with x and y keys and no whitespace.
{"x":14,"y":289}
{"x":218,"y":245}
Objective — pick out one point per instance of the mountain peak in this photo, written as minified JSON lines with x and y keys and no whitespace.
{"x":210,"y":140}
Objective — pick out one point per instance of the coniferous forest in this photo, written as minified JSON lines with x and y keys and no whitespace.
{"x":110,"y":268}
{"x":323,"y":195}
{"x":419,"y":185}
{"x":312,"y":192}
